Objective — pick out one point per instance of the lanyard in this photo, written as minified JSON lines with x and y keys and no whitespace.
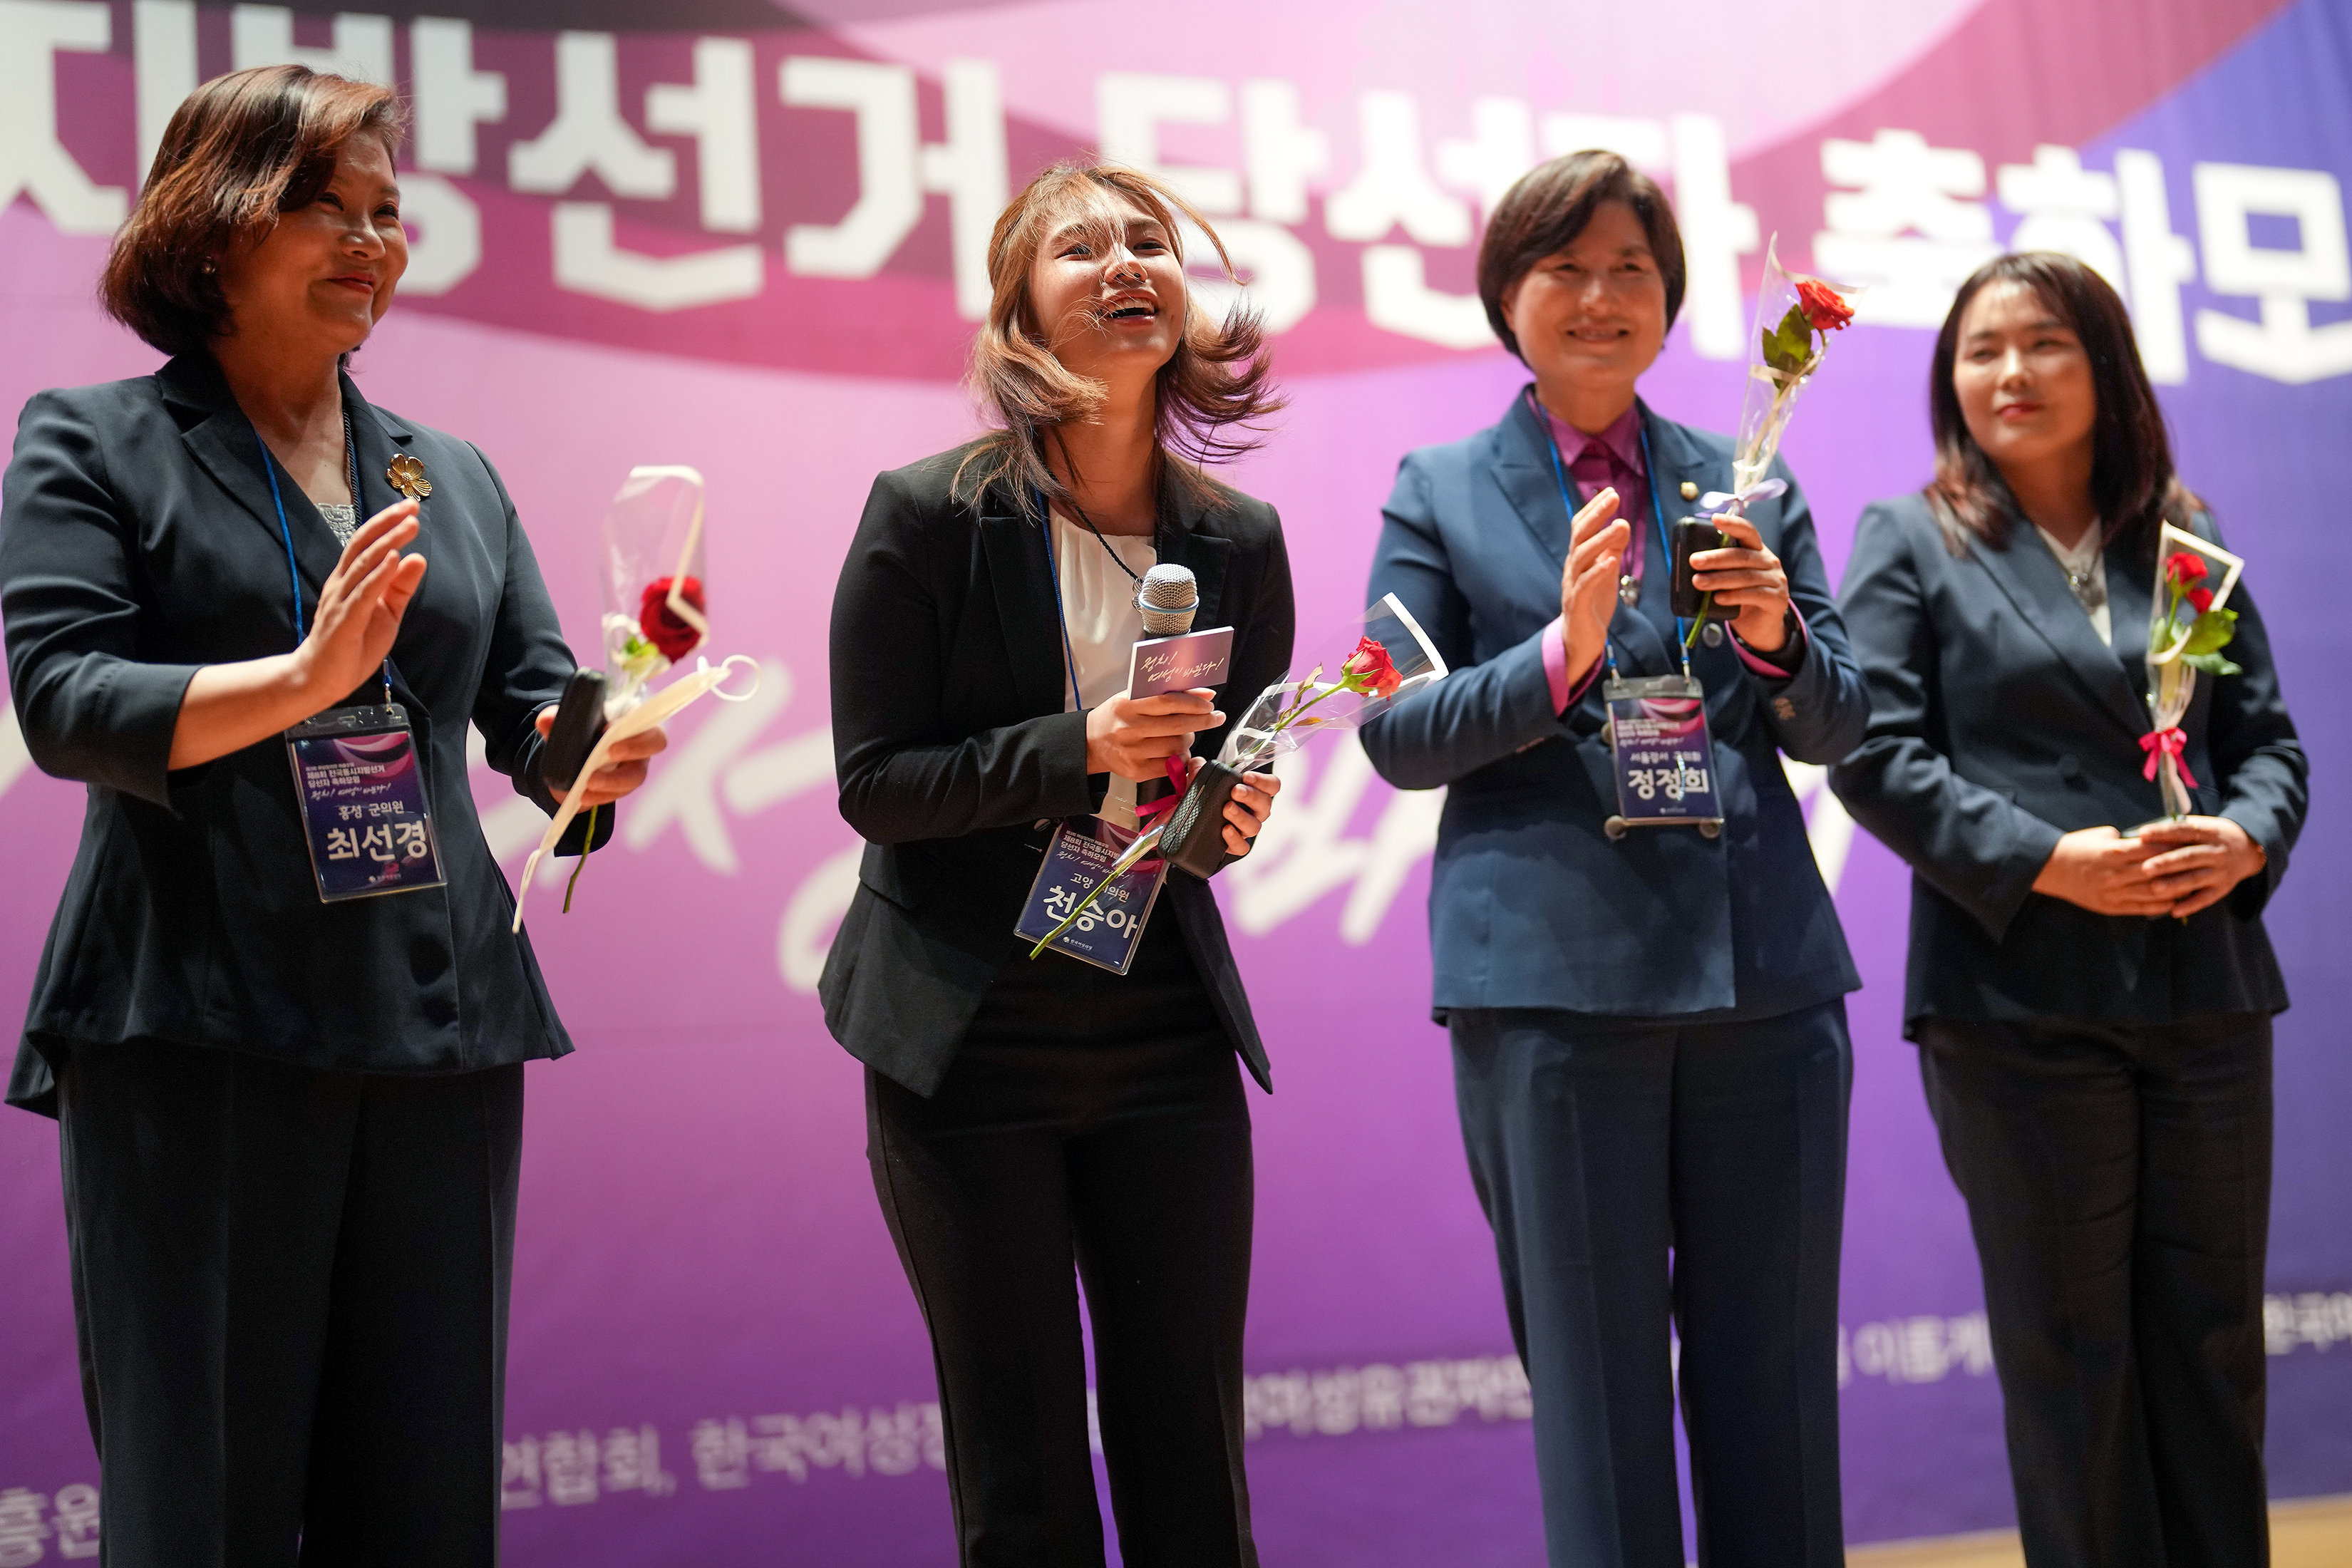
{"x":1657,"y":515}
{"x":1054,"y":575}
{"x":294,"y":573}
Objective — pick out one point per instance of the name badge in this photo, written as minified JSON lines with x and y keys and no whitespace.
{"x":1076,"y":860}
{"x":1665,"y":756}
{"x":361,"y":789}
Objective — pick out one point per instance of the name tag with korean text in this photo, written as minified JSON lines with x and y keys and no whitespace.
{"x":361,"y":786}
{"x":1664,"y":757}
{"x":1079,"y":855}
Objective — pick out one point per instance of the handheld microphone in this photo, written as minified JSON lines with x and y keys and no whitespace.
{"x":1168,"y":598}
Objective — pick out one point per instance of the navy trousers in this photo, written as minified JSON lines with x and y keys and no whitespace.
{"x":1638,"y":1176}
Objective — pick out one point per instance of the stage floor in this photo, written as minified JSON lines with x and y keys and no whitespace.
{"x":2309,"y":1533}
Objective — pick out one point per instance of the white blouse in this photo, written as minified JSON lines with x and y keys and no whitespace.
{"x":2086,"y":573}
{"x":1098,"y":607}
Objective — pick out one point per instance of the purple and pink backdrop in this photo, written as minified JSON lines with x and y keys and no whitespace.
{"x":719,"y":233}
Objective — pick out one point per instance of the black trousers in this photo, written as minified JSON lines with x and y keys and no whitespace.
{"x":1096,"y":1120}
{"x":2118,"y":1182}
{"x":1596,"y":1152}
{"x":291,"y":1293}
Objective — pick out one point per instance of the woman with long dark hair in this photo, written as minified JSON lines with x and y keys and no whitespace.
{"x":1650,"y":1052}
{"x":291,"y":1121}
{"x":2090,"y":987}
{"x":1024,"y":1114}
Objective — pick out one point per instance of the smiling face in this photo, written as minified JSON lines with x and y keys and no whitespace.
{"x":1591,"y":317}
{"x":324,"y":274}
{"x":1107,"y":291}
{"x":2022,"y":379}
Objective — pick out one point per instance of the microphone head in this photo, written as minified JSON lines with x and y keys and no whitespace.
{"x":1168,"y":598}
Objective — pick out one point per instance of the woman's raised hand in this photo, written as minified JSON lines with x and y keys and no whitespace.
{"x":2103,"y":872}
{"x":1135,"y":736}
{"x":361,"y":606}
{"x":1588,"y":581}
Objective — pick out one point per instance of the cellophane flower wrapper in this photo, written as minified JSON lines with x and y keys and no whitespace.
{"x":1287,"y":714}
{"x":1781,"y":359}
{"x":2179,"y":629}
{"x":653,"y":581}
{"x":655,"y":617}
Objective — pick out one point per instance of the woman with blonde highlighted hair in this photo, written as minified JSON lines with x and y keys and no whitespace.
{"x":1024,"y":1117}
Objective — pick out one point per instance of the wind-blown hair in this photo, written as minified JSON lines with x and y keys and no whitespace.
{"x":239,"y":150}
{"x":2132,"y":480}
{"x":1214,"y":389}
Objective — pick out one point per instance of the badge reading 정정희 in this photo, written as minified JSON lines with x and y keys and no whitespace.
{"x":361,"y":786}
{"x":1662,"y":755}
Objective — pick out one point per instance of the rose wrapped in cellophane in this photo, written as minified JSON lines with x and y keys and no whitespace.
{"x":655,"y":617}
{"x":1795,"y":315}
{"x":1379,"y":659}
{"x":2188,"y":625}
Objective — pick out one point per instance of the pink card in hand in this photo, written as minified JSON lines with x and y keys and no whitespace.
{"x":1179,"y":663}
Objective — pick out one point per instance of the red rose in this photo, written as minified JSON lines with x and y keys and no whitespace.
{"x":2183,"y":567}
{"x":661,"y":624}
{"x":1370,"y":670}
{"x":1825,"y":308}
{"x":2200,"y":599}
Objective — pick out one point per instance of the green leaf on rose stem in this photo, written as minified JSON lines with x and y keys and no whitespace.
{"x":2211,"y":663}
{"x":2212,"y":631}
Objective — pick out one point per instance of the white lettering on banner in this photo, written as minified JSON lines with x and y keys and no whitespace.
{"x":1501,"y":147}
{"x":1280,"y":152}
{"x":804,"y":935}
{"x":1382,"y":1397}
{"x":1276,"y":268}
{"x":16,"y":757}
{"x":1305,"y":853}
{"x":26,"y":1523}
{"x":2283,"y":346}
{"x":685,"y":789}
{"x":1398,"y":298}
{"x":1129,"y":109}
{"x":718,"y":113}
{"x":1904,"y":231}
{"x":889,"y":196}
{"x":33,"y":161}
{"x":1914,"y":1350}
{"x":588,"y":135}
{"x":588,"y":260}
{"x":1641,"y":142}
{"x":1392,"y":189}
{"x":1717,"y":232}
{"x":969,"y":169}
{"x":164,"y":45}
{"x":2064,"y":207}
{"x":2159,"y":261}
{"x":1828,"y":827}
{"x":2315,"y":1318}
{"x":450,"y":96}
{"x":264,"y":35}
{"x":444,"y":234}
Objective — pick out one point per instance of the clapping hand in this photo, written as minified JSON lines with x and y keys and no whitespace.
{"x":1588,"y":581}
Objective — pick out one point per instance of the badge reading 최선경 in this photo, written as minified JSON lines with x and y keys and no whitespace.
{"x":407,"y":475}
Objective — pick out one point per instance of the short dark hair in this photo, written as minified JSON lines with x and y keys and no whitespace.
{"x":239,"y":151}
{"x":2132,"y":480}
{"x":1551,"y":205}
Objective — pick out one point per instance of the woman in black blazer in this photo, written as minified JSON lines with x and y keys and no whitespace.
{"x":1021,"y":1114}
{"x":2092,"y":1009}
{"x":290,"y":1128}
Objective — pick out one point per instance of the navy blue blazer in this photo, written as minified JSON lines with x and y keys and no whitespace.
{"x":1530,"y":903}
{"x":1999,"y":721}
{"x":138,"y":541}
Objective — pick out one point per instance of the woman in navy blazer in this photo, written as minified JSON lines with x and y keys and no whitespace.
{"x":1649,"y":1032}
{"x":2092,"y":1009}
{"x":290,"y":1129}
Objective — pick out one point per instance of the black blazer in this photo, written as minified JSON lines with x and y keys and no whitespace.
{"x":138,"y":541}
{"x":1999,"y":721}
{"x":951,"y":748}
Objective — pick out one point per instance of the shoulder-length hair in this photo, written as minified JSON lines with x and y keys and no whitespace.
{"x":2132,"y":480}
{"x":1549,"y":206}
{"x":240,"y":150}
{"x":1216,"y":386}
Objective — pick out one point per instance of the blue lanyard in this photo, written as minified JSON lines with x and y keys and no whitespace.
{"x":1054,"y":575}
{"x":1568,"y":499}
{"x":294,"y":573}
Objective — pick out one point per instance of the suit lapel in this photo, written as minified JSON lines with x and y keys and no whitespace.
{"x":1523,"y":471}
{"x":2130,"y":592}
{"x":2036,"y":584}
{"x":1021,"y":574}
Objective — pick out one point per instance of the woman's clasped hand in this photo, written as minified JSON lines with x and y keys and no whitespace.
{"x":1135,"y":736}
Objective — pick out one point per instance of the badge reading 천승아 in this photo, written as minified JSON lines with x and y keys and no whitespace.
{"x":406,"y":475}
{"x":1664,"y":755}
{"x":1107,"y":934}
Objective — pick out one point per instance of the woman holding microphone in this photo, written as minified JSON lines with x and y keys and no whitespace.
{"x":1024,"y":1114}
{"x":1649,"y":1037}
{"x":2093,"y":1010}
{"x":291,"y":1121}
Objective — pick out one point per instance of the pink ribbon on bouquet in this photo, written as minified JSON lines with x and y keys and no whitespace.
{"x":1179,"y":775}
{"x":2168,"y":741}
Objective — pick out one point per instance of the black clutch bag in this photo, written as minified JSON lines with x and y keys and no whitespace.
{"x":1194,"y":839}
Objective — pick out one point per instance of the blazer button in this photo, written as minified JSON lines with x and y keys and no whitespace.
{"x":2068,"y":768}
